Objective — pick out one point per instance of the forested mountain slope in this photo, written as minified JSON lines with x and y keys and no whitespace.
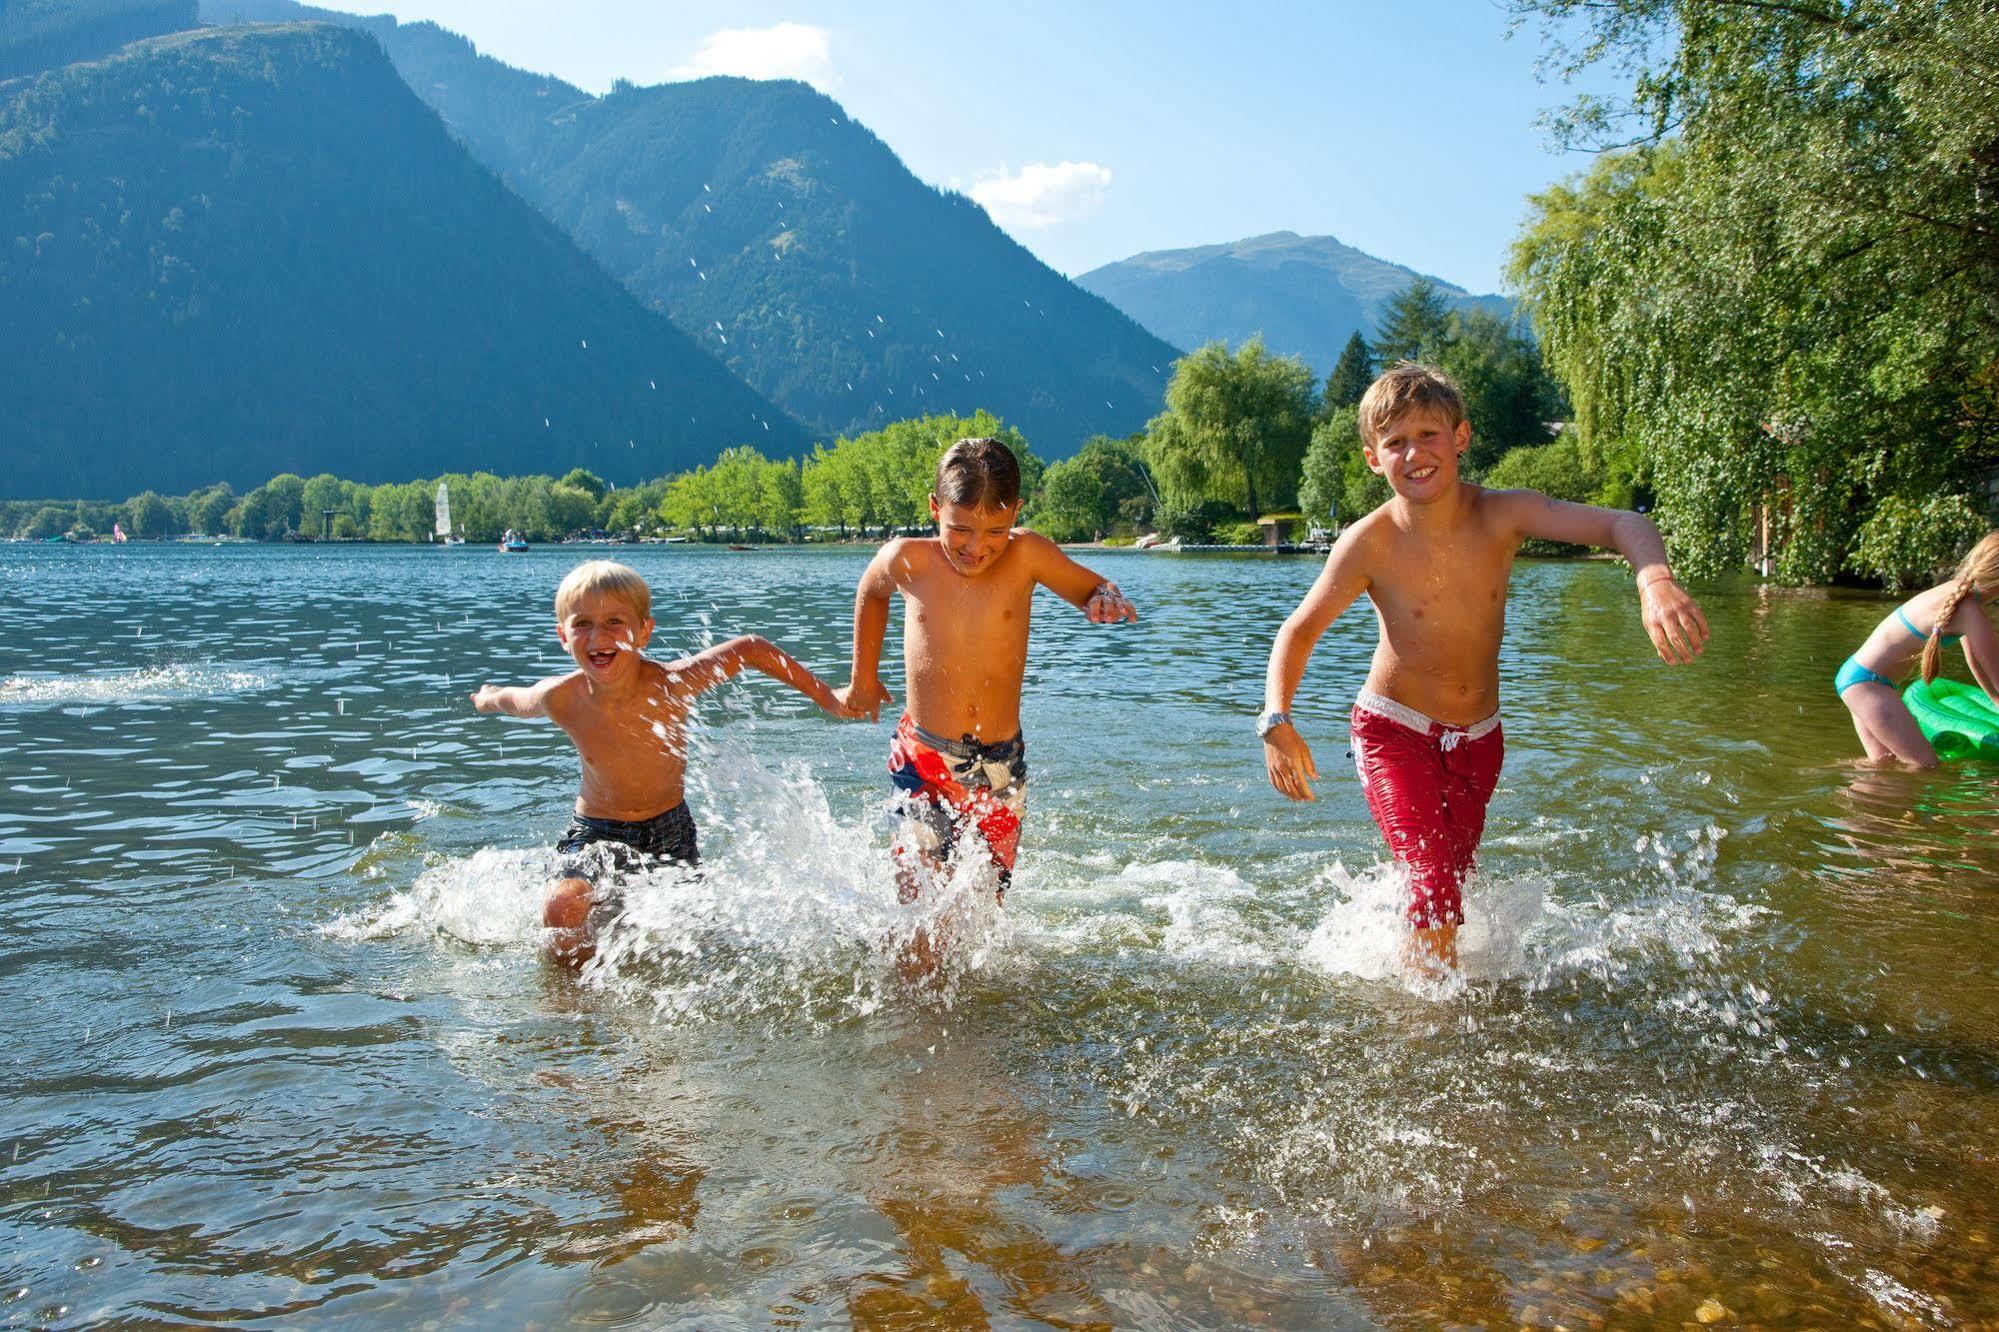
{"x":232,"y":252}
{"x":793,"y":243}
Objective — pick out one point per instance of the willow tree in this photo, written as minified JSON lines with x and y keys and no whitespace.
{"x":1786,"y":287}
{"x":1235,"y":427}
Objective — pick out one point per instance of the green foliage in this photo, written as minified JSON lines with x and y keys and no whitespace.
{"x":1235,"y":427}
{"x":1086,"y":496}
{"x":1910,"y":543}
{"x":1414,"y":327}
{"x":1787,"y":295}
{"x":1195,"y":523}
{"x":1558,"y":469}
{"x":1238,"y":534}
{"x":147,"y":515}
{"x":47,"y":521}
{"x":582,"y":478}
{"x":168,"y":212}
{"x":881,"y":480}
{"x":1509,"y":396}
{"x":1321,"y":483}
{"x":1353,"y":373}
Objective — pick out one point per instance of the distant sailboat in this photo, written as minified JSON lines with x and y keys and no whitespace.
{"x":118,"y":533}
{"x":444,"y":517}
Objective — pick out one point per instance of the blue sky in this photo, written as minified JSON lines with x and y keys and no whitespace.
{"x":1094,"y":131}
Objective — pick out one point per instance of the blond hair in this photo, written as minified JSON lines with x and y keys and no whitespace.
{"x":1409,"y":386}
{"x":1977,"y":573}
{"x":603,"y":578}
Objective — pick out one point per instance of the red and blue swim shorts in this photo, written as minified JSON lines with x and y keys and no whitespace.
{"x":948,"y":787}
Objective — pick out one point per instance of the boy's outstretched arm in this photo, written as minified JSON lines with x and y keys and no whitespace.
{"x":863,"y":694}
{"x":1285,"y":755}
{"x":1674,"y":623}
{"x":516,"y":700}
{"x":1096,"y":596}
{"x":711,"y":666}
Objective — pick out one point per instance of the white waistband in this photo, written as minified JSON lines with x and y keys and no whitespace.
{"x":1369,"y":701}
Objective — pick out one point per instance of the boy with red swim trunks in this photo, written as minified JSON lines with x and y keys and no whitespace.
{"x":958,"y":761}
{"x":1435,"y":560}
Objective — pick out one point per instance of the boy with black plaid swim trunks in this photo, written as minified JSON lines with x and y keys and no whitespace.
{"x":627,"y":716}
{"x":958,"y":761}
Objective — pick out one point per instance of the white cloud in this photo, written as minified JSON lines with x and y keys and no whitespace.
{"x":1041,"y":194}
{"x":781,"y":51}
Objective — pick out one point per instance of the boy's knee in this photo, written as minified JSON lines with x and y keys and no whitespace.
{"x":568,"y":905}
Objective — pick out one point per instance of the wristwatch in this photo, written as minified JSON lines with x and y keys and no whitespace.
{"x":1270,"y":721}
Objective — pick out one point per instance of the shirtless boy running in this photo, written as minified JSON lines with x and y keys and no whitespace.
{"x":627,"y":716}
{"x":1435,"y":560}
{"x":958,"y":760}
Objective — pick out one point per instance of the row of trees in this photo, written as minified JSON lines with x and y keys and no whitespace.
{"x":872,"y":483}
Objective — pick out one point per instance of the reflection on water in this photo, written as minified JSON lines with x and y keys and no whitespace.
{"x":1724,"y":1049}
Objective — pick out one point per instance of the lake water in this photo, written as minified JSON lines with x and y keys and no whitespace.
{"x":282,"y":1048}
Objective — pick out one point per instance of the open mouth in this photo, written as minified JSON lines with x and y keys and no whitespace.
{"x":1421,"y":473}
{"x":603,"y":660}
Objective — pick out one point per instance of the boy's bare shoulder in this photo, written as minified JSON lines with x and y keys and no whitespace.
{"x":561,"y":695}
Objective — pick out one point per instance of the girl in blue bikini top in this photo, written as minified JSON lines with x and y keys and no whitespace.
{"x":1866,"y":681}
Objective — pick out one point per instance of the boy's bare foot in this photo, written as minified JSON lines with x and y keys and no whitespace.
{"x":1432,"y":952}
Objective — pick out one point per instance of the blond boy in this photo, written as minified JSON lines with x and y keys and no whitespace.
{"x":627,"y":716}
{"x":1435,"y":561}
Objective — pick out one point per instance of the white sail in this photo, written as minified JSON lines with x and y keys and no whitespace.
{"x":443,"y":510}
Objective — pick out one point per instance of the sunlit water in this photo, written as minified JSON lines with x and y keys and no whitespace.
{"x":281,"y":1045}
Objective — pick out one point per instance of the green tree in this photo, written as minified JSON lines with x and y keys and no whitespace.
{"x":147,"y":515}
{"x":1415,"y":325}
{"x":1088,"y":495}
{"x":1509,"y":396}
{"x":780,"y":497}
{"x":49,"y":521}
{"x":582,"y":478}
{"x":1320,"y":484}
{"x":209,"y":510}
{"x":1786,"y":296}
{"x":1351,"y":375}
{"x":1235,"y":427}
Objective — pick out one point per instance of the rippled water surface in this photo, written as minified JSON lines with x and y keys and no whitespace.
{"x":281,"y":1044}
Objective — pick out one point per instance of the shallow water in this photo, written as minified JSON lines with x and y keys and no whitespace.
{"x":282,"y":1045}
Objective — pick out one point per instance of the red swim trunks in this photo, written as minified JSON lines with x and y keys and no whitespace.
{"x":947,"y":786}
{"x":1427,"y":785}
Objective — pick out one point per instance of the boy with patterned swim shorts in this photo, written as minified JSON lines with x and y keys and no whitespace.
{"x":627,"y":716}
{"x":1435,"y":560}
{"x":957,"y":760}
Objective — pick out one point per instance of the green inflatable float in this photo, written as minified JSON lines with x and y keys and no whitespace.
{"x":1957,"y":717}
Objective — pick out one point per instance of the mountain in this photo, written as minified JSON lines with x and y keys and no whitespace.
{"x":793,"y":243}
{"x":41,"y":34}
{"x":233,"y":252}
{"x":1305,"y":294}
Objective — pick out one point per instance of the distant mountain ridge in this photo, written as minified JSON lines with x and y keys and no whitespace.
{"x":1306,"y":295}
{"x":234,"y":252}
{"x":792,"y":242}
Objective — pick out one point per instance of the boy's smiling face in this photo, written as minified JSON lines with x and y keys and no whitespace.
{"x":604,"y":634}
{"x":974,"y":536}
{"x":1417,"y":454}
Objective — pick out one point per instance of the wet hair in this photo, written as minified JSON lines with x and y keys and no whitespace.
{"x":981,"y":472}
{"x":1408,"y":387}
{"x":1977,"y":575}
{"x":603,"y":578}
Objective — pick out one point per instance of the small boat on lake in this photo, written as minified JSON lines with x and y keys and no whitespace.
{"x":513,"y":543}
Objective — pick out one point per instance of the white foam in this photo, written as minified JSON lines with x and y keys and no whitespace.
{"x":152,"y":684}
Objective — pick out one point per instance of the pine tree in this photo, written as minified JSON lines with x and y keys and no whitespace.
{"x":1352,"y":375}
{"x":1415,"y":326}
